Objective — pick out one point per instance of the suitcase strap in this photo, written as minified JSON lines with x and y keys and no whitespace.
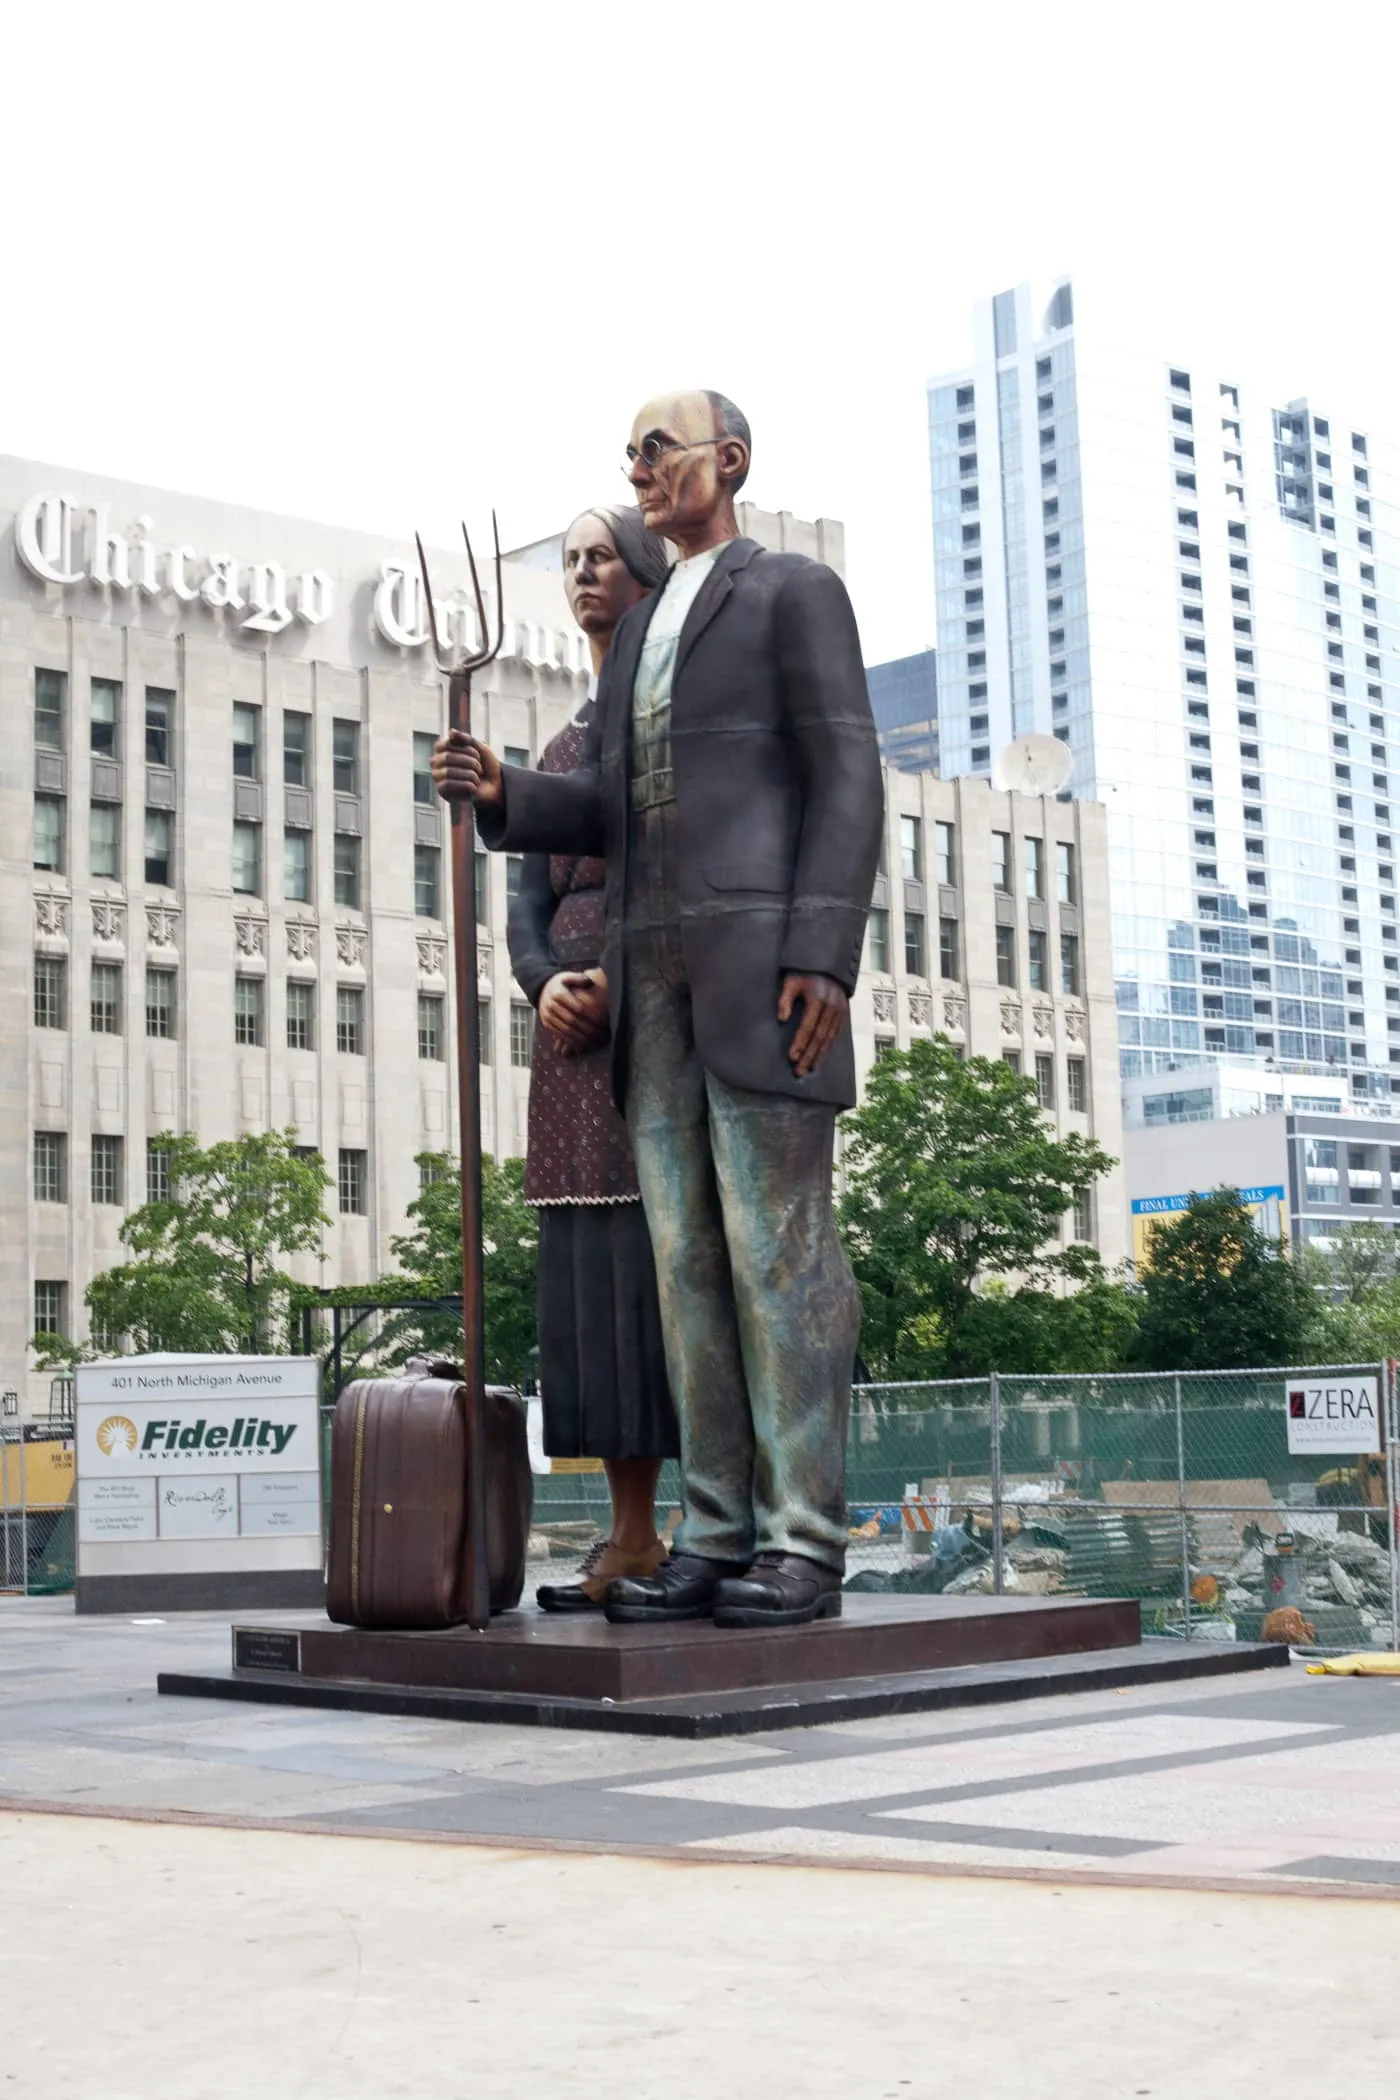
{"x":356,"y":1485}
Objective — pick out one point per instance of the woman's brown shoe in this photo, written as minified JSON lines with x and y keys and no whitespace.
{"x":603,"y":1563}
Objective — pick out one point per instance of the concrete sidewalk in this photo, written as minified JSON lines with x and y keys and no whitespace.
{"x":212,"y":1964}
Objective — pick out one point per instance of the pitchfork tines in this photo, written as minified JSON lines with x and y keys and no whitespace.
{"x":462,"y":665}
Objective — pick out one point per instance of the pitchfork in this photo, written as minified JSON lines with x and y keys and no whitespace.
{"x":458,"y":670}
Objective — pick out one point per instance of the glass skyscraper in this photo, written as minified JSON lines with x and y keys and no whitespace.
{"x":1196,"y":589}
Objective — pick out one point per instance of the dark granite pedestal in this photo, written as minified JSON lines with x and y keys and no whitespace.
{"x":885,"y":1655}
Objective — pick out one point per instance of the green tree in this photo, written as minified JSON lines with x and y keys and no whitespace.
{"x":205,"y":1269}
{"x":1217,"y":1293}
{"x":1036,"y":1329}
{"x":1362,"y":1261}
{"x":429,"y":1258}
{"x":953,"y":1175}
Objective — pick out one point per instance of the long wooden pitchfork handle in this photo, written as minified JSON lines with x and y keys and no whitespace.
{"x":477,"y":1584}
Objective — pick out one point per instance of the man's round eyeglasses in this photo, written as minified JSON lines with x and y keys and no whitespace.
{"x":653,"y":450}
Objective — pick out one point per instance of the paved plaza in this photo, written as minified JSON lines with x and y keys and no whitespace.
{"x":1275,"y":1780}
{"x":1166,"y":1891}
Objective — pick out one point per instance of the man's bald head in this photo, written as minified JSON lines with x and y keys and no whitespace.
{"x":689,"y":456}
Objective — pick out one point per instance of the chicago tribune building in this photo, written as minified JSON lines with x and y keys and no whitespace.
{"x":225,"y":877}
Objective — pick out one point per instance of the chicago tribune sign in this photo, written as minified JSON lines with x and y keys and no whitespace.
{"x":61,"y":541}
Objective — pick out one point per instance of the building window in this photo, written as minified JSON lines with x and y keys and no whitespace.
{"x":345,"y":753}
{"x":51,"y":1308}
{"x":948,"y":948}
{"x":430,"y":1026}
{"x":878,"y":933}
{"x":1065,"y":883}
{"x":1076,"y":1087}
{"x":516,"y":755}
{"x":484,"y":1034}
{"x":1001,"y":861}
{"x":105,"y":840}
{"x":1035,"y":867}
{"x":50,"y":1166}
{"x":1045,"y":1080}
{"x":48,"y":833}
{"x":106,"y":1169}
{"x":427,"y":881}
{"x":915,"y":958}
{"x":50,"y":706}
{"x":944,"y":846}
{"x":352,"y":1183}
{"x":247,"y":859}
{"x":50,"y":992}
{"x":301,"y":1014}
{"x":248,"y":1011}
{"x":245,"y":742}
{"x":106,"y":716}
{"x":479,"y":886}
{"x":296,"y":866}
{"x":515,"y":869}
{"x":105,"y":1008}
{"x":1036,"y":955}
{"x":1012,"y":1058}
{"x":1006,"y":955}
{"x":296,"y":750}
{"x":159,"y":836}
{"x":522,"y":1032}
{"x":157,"y":1170}
{"x":1083,"y":1220}
{"x":350,"y":1020}
{"x":160,"y":1003}
{"x":423,"y":789}
{"x":911,"y":849}
{"x":347,"y":870}
{"x":160,"y":719}
{"x":1069,"y":964}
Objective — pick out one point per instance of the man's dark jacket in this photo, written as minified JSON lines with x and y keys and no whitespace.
{"x":779,"y":810}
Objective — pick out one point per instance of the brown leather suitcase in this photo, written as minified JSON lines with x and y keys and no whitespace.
{"x":430,"y":1502}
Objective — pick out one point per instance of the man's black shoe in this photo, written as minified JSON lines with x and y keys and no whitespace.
{"x":780,"y":1589}
{"x":683,"y":1587}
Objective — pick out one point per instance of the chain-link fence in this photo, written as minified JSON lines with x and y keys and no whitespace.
{"x":1194,"y":1492}
{"x":1185,"y":1490}
{"x":37,"y":1539}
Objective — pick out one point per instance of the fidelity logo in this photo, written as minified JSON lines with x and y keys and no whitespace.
{"x":244,"y":1433}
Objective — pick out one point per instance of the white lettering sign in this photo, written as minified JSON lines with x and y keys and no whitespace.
{"x":65,"y":542}
{"x":1344,"y":1416}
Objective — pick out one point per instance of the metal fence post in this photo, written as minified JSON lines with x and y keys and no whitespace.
{"x":23,"y":1518}
{"x":1181,"y":1506}
{"x":1392,"y":1496}
{"x":998,"y":1559}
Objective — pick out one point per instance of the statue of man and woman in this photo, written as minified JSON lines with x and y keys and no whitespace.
{"x":712,"y":827}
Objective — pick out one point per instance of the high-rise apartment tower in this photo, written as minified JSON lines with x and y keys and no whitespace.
{"x":1196,"y":588}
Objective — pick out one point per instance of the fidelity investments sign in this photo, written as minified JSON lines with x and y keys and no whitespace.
{"x":64,"y":542}
{"x":250,"y":1415}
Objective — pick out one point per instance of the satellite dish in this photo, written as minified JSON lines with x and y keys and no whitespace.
{"x":1033,"y":765}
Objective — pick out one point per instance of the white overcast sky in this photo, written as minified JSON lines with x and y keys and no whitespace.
{"x":383,"y":265}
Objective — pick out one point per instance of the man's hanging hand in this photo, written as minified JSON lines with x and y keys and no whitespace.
{"x":824,"y":1010}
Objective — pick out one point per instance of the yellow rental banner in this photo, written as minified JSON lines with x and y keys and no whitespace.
{"x":38,"y":1471}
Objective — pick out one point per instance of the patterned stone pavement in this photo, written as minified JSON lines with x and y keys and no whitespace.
{"x":1283,"y":1781}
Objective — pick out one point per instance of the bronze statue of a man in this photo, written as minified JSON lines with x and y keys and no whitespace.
{"x":732,"y":785}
